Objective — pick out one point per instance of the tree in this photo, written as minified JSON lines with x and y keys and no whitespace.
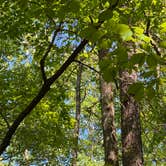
{"x":132,"y":153}
{"x":108,"y":118}
{"x":40,"y":42}
{"x":77,"y":116}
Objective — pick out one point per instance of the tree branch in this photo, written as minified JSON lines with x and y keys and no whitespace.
{"x":87,"y":66}
{"x":42,"y":61}
{"x":68,"y":62}
{"x":147,"y":33}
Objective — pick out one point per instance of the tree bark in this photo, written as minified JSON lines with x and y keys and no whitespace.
{"x":108,"y":118}
{"x":132,"y":154}
{"x":77,"y":116}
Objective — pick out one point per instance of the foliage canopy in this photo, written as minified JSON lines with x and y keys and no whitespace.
{"x":38,"y":38}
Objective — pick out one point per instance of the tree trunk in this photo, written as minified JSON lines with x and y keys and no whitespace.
{"x":77,"y":116}
{"x":132,"y":154}
{"x":108,"y":116}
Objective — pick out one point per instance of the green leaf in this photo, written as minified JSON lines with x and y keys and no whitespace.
{"x":108,"y":71}
{"x":109,"y":74}
{"x":163,"y":44}
{"x":105,"y":43}
{"x":112,"y":2}
{"x":73,"y":6}
{"x":163,"y":27}
{"x":104,"y":1}
{"x":91,"y":33}
{"x":137,"y":90}
{"x":138,"y":30}
{"x":151,"y":60}
{"x":150,"y":92}
{"x":103,"y":64}
{"x":105,"y":15}
{"x":145,"y":38}
{"x":88,"y":32}
{"x":124,"y":31}
{"x":69,"y":7}
{"x":138,"y":59}
{"x":122,"y":56}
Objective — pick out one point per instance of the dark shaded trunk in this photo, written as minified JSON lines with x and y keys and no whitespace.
{"x":77,"y":116}
{"x":132,"y":154}
{"x":108,"y":116}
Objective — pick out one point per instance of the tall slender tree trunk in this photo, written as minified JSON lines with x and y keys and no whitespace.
{"x":26,"y":158}
{"x":132,"y":154}
{"x":108,"y":116}
{"x":77,"y":116}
